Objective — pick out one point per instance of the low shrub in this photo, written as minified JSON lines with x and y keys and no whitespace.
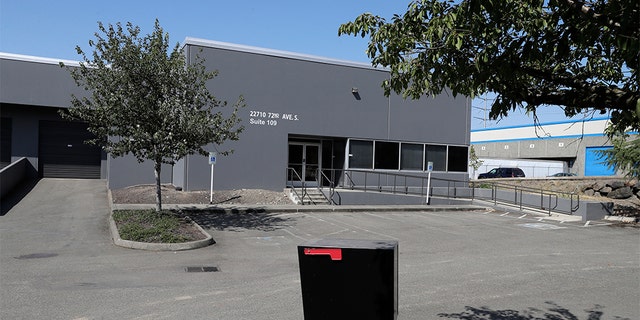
{"x":150,"y":226}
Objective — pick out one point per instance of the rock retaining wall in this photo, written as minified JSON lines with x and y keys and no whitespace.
{"x":614,"y":189}
{"x":622,"y":194}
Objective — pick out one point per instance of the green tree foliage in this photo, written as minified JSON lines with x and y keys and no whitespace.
{"x":581,"y":55}
{"x":624,"y":156}
{"x":143,"y":99}
{"x":474,"y":161}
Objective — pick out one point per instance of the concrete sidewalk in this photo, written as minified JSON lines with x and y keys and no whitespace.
{"x":348,"y":208}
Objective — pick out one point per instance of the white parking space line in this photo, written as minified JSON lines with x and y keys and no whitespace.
{"x":541,"y":226}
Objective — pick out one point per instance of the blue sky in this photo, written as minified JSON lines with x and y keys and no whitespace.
{"x":54,"y":28}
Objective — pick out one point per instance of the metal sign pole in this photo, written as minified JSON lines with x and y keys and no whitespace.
{"x":428,"y":186}
{"x":212,"y":162}
{"x":211,"y":189}
{"x":429,"y":169}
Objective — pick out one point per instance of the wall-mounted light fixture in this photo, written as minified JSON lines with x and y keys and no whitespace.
{"x":355,"y":93}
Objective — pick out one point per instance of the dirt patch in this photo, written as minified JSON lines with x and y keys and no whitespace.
{"x":146,"y":194}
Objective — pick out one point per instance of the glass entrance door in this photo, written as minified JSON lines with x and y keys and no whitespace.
{"x":304,"y":161}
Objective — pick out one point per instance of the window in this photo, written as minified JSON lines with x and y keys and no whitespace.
{"x":387,"y":155}
{"x":458,"y":159}
{"x":411,"y":156}
{"x":437,"y":155}
{"x":361,"y":154}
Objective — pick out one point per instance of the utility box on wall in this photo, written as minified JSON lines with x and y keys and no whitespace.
{"x":349,"y":279}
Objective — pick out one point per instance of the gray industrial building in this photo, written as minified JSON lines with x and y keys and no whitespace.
{"x":304,"y":116}
{"x":576,"y":143}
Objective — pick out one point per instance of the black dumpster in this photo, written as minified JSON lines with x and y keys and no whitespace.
{"x":349,"y":279}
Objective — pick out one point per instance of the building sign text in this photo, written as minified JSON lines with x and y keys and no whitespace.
{"x":265,"y":118}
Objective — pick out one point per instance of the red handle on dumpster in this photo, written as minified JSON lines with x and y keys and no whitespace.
{"x":335,"y":254}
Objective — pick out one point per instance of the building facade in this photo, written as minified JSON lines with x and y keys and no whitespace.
{"x":575,"y":143}
{"x":305,"y":117}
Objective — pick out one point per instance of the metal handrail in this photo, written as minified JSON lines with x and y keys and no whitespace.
{"x":351,"y":183}
{"x":304,"y":187}
{"x":332,"y":188}
{"x":548,"y":197}
{"x":399,"y":183}
{"x":551,"y":196}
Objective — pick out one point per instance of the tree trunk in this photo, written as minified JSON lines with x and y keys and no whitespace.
{"x":157,"y":169}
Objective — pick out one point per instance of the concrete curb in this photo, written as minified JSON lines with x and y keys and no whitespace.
{"x":115,"y":235}
{"x":301,"y":209}
{"x":263,"y":209}
{"x":159,"y":246}
{"x":621,"y":219}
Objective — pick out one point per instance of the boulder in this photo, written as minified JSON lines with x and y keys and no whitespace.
{"x":605,"y":190}
{"x":621,"y":193}
{"x":616,"y":184}
{"x":598,"y":185}
{"x":586,"y":186}
{"x":589,"y":192}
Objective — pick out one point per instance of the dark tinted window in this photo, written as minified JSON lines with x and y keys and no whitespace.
{"x":361,"y":154}
{"x":437,"y":155}
{"x":457,"y":160}
{"x":387,"y":155}
{"x":411,"y":156}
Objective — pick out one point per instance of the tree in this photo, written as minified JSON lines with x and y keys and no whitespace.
{"x":624,"y":156}
{"x":474,"y":161}
{"x":581,"y":55}
{"x":145,"y":100}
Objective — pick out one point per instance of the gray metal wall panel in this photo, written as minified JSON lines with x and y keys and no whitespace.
{"x":177,"y":172}
{"x":319,"y":95}
{"x":441,"y":120}
{"x":126,"y":171}
{"x":36,"y":83}
{"x":25,"y":126}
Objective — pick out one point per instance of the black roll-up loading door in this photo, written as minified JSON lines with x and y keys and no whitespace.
{"x":63,"y":153}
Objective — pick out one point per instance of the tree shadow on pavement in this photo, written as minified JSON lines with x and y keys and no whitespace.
{"x":237,"y":220}
{"x":554,"y":312}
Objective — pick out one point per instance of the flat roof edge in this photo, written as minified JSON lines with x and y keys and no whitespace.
{"x":26,"y":58}
{"x":542,"y":124}
{"x":277,"y":53}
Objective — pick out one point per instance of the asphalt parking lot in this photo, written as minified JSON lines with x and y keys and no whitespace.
{"x":57,"y":262}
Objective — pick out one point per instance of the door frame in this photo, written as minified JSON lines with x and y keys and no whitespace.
{"x":303,"y":175}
